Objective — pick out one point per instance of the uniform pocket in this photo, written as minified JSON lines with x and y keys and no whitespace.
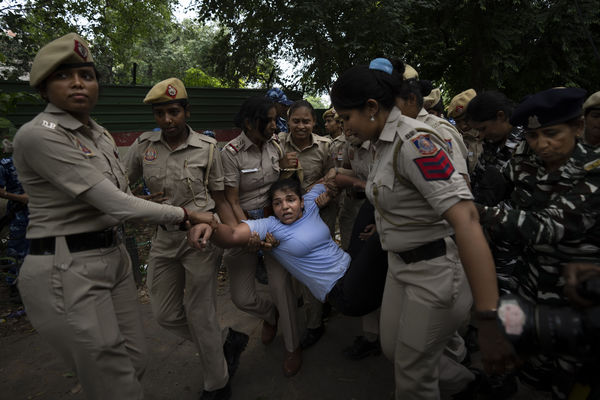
{"x":154,"y":177}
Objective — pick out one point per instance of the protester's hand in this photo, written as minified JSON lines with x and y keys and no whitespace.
{"x":359,"y":186}
{"x":323,"y":199}
{"x":497,"y":353}
{"x":367,"y":232}
{"x":574,"y":274}
{"x":199,"y":235}
{"x":254,"y":242}
{"x":289,"y":160}
{"x":270,"y":242}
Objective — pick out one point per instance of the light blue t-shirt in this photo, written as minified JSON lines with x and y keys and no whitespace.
{"x":305,"y":248}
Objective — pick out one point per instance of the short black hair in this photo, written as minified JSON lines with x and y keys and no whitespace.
{"x":292,"y":184}
{"x":416,"y":87}
{"x":255,"y":110}
{"x":485,"y":106}
{"x":300,"y":104}
{"x":360,"y":83}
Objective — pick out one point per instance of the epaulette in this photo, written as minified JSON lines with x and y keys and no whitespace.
{"x":232,"y":148}
{"x":275,"y":138}
{"x":153,"y":136}
{"x":322,"y":139}
{"x":48,"y":124}
{"x":203,"y":137}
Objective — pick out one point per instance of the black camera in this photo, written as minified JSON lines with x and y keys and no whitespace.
{"x":554,"y":330}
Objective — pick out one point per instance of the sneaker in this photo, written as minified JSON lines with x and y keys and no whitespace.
{"x":220,"y":394}
{"x":232,"y":350}
{"x":311,"y":336}
{"x":362,"y":348}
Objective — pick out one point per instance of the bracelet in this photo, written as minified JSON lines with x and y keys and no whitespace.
{"x":186,"y":218}
{"x":486,"y":315}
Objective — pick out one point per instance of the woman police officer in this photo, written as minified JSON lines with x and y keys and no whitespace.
{"x":76,"y":282}
{"x":421,"y":203}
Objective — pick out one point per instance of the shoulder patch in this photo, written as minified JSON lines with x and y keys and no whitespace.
{"x":424,"y":145}
{"x":84,"y":148}
{"x":592,"y":165}
{"x":151,"y":135}
{"x":437,"y":167}
{"x":150,"y":154}
{"x":48,"y":124}
{"x":232,"y":148}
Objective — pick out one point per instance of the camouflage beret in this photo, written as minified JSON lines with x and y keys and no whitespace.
{"x":549,"y":107}
{"x":458,"y":104}
{"x":167,"y":91}
{"x":432,"y":99}
{"x":592,"y":102}
{"x":69,"y":49}
{"x":410,"y":72}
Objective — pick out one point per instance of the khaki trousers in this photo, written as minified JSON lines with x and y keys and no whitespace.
{"x":183,"y":291}
{"x":424,"y":303}
{"x":241,"y":266}
{"x":85,"y":305}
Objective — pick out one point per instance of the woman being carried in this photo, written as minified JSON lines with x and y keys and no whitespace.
{"x":305,"y":248}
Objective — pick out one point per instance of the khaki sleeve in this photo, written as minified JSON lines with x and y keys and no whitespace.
{"x":216,"y":179}
{"x":54,"y":156}
{"x":133,"y":163}
{"x":433,"y":175}
{"x":231,"y":172}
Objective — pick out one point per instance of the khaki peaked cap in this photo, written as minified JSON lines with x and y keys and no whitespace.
{"x":410,"y":72}
{"x":458,"y":104}
{"x":432,"y":98}
{"x":592,"y":102}
{"x":68,"y":49}
{"x":167,"y":91}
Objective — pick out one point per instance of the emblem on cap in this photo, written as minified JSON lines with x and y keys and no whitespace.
{"x":171,"y":91}
{"x":458,"y":108}
{"x":533,"y":122}
{"x":80,"y":49}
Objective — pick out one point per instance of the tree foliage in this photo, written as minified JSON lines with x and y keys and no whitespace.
{"x":518,"y":46}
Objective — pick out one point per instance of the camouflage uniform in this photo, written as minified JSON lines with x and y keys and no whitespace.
{"x":555,"y":216}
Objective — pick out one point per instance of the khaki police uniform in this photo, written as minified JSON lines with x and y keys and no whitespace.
{"x":474,"y":144}
{"x":77,"y":283}
{"x":253,"y":170}
{"x":182,"y":280}
{"x":456,"y":145}
{"x":337,"y":149}
{"x":315,"y":160}
{"x":412,"y":182}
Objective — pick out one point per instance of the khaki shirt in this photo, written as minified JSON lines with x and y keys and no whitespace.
{"x":360,"y":158}
{"x":451,"y":135}
{"x":474,"y":146}
{"x":315,"y":159}
{"x":251,"y":169}
{"x":58,"y":158}
{"x":410,"y":200}
{"x":181,"y":173}
{"x":337,"y":149}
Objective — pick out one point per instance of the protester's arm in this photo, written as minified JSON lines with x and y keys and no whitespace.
{"x":21,"y":198}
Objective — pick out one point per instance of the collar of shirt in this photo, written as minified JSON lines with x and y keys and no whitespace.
{"x":313,"y":142}
{"x":69,"y":122}
{"x":422,"y":113}
{"x":391,"y":125}
{"x":193,"y":139}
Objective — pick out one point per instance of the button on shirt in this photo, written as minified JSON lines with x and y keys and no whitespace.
{"x":57,"y":159}
{"x":251,"y":169}
{"x":306,"y":249}
{"x":409,"y":202}
{"x":180,"y":173}
{"x":314,"y":159}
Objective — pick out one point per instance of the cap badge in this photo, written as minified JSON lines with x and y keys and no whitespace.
{"x":171,"y":91}
{"x":80,"y":50}
{"x":533,"y":122}
{"x":458,"y":108}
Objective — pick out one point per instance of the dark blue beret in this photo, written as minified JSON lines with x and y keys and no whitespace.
{"x":549,"y":107}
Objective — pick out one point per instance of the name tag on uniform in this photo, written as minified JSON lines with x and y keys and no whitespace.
{"x":249,"y":170}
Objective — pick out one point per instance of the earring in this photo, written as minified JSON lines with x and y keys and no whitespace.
{"x":372,"y":119}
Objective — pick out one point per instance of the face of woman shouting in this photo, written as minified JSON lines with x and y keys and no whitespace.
{"x":74,"y":90}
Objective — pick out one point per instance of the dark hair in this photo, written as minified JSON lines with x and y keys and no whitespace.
{"x":255,"y":110}
{"x":418,"y":88}
{"x":439,"y":107}
{"x":360,"y":83}
{"x":485,"y":106}
{"x":300,"y":104}
{"x":292,"y":184}
{"x":182,"y":102}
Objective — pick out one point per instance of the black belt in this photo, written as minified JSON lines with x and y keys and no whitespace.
{"x":427,"y":251}
{"x":77,"y":242}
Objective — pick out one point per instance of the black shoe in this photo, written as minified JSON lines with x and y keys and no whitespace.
{"x":479,"y":385}
{"x":503,"y":386}
{"x":220,"y":394}
{"x":261,"y":271}
{"x":232,"y":350}
{"x":362,"y":348}
{"x":311,"y":336}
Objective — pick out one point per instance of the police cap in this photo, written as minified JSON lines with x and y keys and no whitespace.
{"x":168,"y":91}
{"x":410,"y":72}
{"x":70,"y":50}
{"x":592,"y":102}
{"x":458,"y":104}
{"x":432,"y":99}
{"x":548,"y":107}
